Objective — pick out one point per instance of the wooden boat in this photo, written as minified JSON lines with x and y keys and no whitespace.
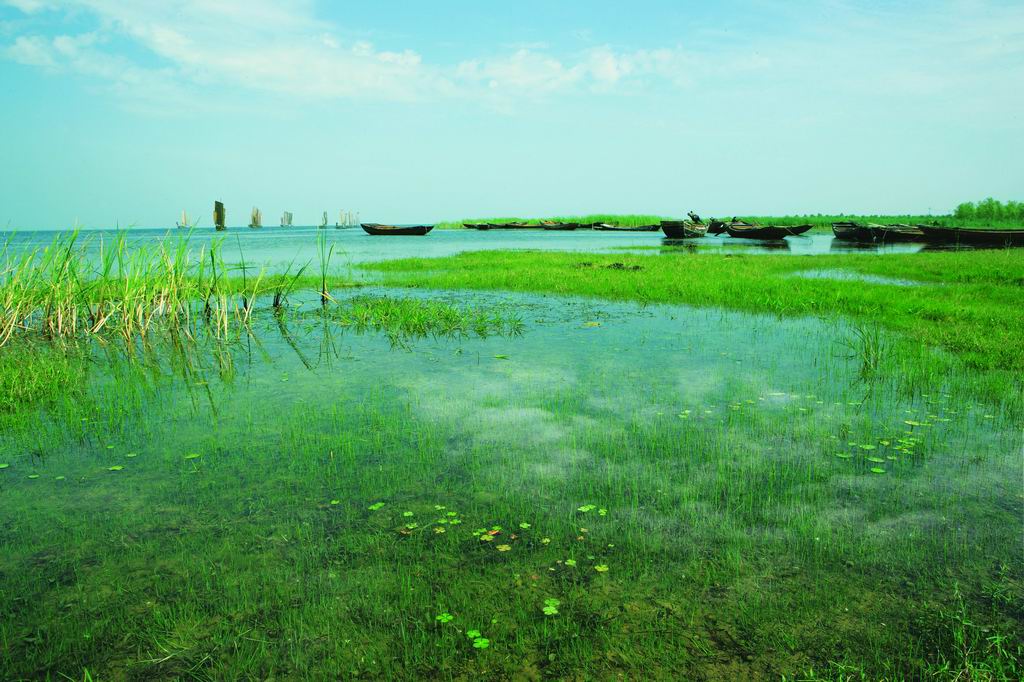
{"x":850,"y":231}
{"x":256,"y":218}
{"x":219,"y":216}
{"x":744,"y":230}
{"x":512,"y":226}
{"x":897,"y":233}
{"x":605,"y":227}
{"x":971,"y":236}
{"x":378,"y":229}
{"x":548,"y":225}
{"x":286,"y":219}
{"x":475,"y":226}
{"x":683,"y":229}
{"x":323,"y":222}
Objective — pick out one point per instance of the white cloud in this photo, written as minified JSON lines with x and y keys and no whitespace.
{"x":282,"y":47}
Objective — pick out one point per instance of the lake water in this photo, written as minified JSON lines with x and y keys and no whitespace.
{"x":275,"y":246}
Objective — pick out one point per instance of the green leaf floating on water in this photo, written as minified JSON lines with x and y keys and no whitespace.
{"x":193,"y":455}
{"x":4,"y":465}
{"x":843,"y":455}
{"x":591,"y":325}
{"x":375,"y":506}
{"x":501,"y":357}
{"x":116,"y":467}
{"x":33,"y":476}
{"x":876,"y":460}
{"x":877,"y":470}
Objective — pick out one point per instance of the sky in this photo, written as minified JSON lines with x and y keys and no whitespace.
{"x":126,"y":112}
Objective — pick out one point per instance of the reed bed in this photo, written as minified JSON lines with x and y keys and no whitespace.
{"x":74,"y":287}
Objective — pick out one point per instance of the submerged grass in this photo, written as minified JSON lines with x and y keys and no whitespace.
{"x":972,"y":310}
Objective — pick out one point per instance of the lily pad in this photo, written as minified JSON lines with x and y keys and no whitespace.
{"x":4,"y":465}
{"x":877,"y":470}
{"x":116,"y":467}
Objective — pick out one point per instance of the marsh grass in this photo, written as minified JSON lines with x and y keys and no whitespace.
{"x":628,"y":220}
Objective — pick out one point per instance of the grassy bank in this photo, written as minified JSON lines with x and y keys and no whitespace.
{"x":821,"y":222}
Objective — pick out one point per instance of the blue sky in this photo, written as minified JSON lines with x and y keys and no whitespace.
{"x":129,"y":111}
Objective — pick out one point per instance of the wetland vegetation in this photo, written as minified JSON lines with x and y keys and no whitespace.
{"x":511,"y":465}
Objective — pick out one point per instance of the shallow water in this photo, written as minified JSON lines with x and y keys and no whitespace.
{"x":728,"y":459}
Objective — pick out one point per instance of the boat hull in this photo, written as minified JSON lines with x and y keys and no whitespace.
{"x":972,"y":237}
{"x":853,"y":232}
{"x":683,"y":229}
{"x":379,"y":230}
{"x":766,"y":232}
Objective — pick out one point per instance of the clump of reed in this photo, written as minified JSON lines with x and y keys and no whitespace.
{"x":74,"y":287}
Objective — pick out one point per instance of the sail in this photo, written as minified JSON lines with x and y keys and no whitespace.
{"x":256,"y":218}
{"x":323,"y":223}
{"x":286,"y":219}
{"x":219,"y":216}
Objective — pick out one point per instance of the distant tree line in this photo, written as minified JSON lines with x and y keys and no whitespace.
{"x":990,"y":209}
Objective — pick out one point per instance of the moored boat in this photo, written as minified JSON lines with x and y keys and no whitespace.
{"x":511,"y":226}
{"x":475,"y":226}
{"x":851,"y":231}
{"x":256,"y":218}
{"x":971,"y":236}
{"x":549,"y":225}
{"x":716,"y":226}
{"x":378,"y":229}
{"x":899,"y":232}
{"x":745,"y":230}
{"x":683,"y":229}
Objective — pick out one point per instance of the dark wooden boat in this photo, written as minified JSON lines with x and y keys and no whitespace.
{"x":897,"y":233}
{"x":475,"y":226}
{"x":850,"y":231}
{"x":971,"y":236}
{"x":605,"y":227}
{"x":378,"y":229}
{"x":683,"y":229}
{"x":744,"y":230}
{"x":560,"y":226}
{"x":511,"y":226}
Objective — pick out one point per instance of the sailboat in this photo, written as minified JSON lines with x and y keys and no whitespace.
{"x":286,"y":219}
{"x":219,"y":216}
{"x":323,"y":223}
{"x":184,"y":221}
{"x":256,"y":220}
{"x":346,"y":220}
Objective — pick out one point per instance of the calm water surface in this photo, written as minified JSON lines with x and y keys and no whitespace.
{"x":276,"y":246}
